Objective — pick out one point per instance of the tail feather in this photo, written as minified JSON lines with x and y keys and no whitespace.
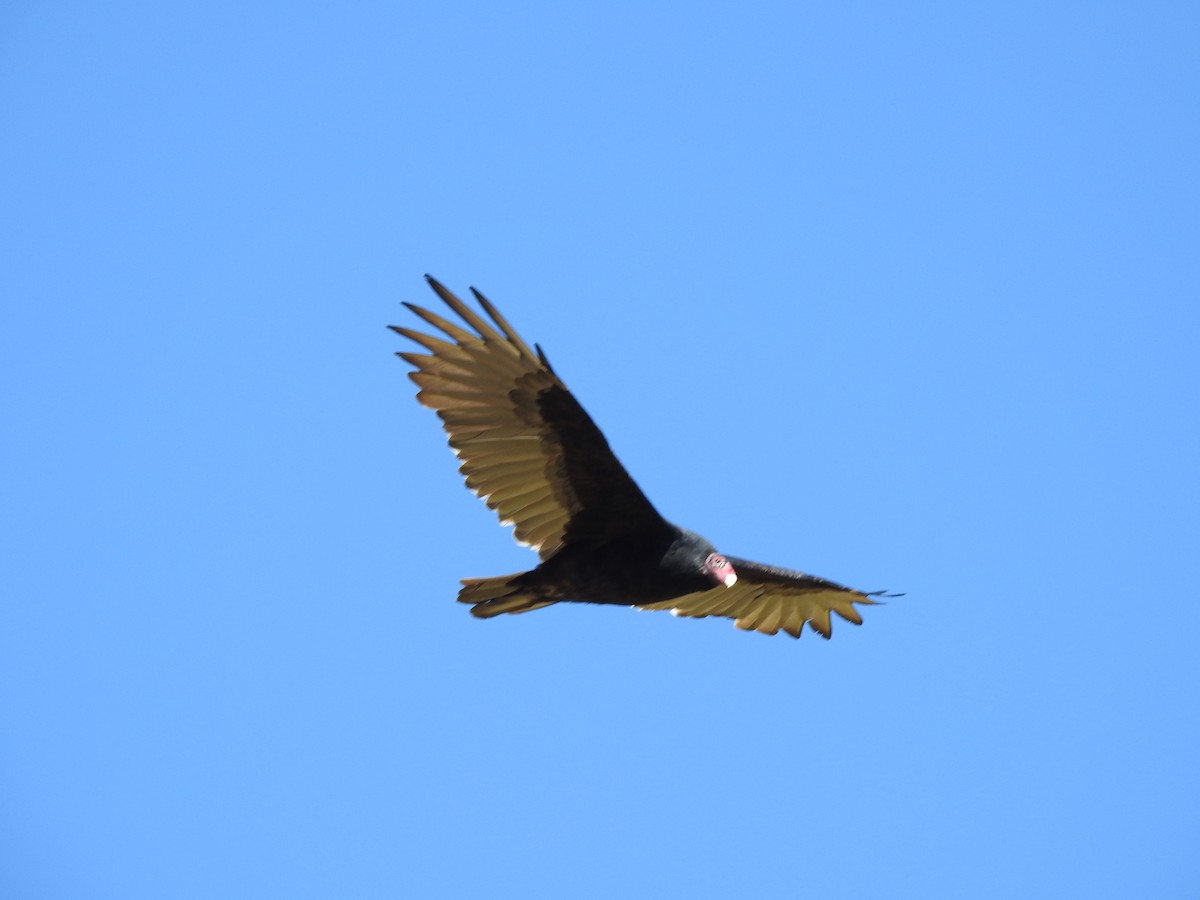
{"x":496,"y":595}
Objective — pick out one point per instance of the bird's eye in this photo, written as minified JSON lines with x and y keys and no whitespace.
{"x":719,"y":563}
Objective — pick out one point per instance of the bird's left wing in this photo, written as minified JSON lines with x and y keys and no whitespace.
{"x":525,"y":444}
{"x":771,"y":600}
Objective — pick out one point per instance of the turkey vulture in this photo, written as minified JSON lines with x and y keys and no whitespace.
{"x":532,"y":454}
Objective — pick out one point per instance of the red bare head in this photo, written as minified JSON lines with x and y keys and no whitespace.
{"x":719,"y":570}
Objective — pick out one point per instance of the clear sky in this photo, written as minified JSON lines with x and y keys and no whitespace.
{"x":903,"y":295}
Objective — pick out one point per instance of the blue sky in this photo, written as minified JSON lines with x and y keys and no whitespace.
{"x":905,"y":296}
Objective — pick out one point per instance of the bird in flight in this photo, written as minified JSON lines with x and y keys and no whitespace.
{"x":532,"y":453}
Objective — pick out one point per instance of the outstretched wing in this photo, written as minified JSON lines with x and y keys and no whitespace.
{"x":526,"y":445}
{"x":771,"y":600}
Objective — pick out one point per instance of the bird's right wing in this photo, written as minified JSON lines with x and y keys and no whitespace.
{"x":771,"y":600}
{"x":526,"y":445}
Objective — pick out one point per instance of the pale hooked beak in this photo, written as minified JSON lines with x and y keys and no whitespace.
{"x":730,"y":580}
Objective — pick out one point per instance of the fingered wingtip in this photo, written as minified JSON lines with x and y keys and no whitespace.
{"x":879,"y":598}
